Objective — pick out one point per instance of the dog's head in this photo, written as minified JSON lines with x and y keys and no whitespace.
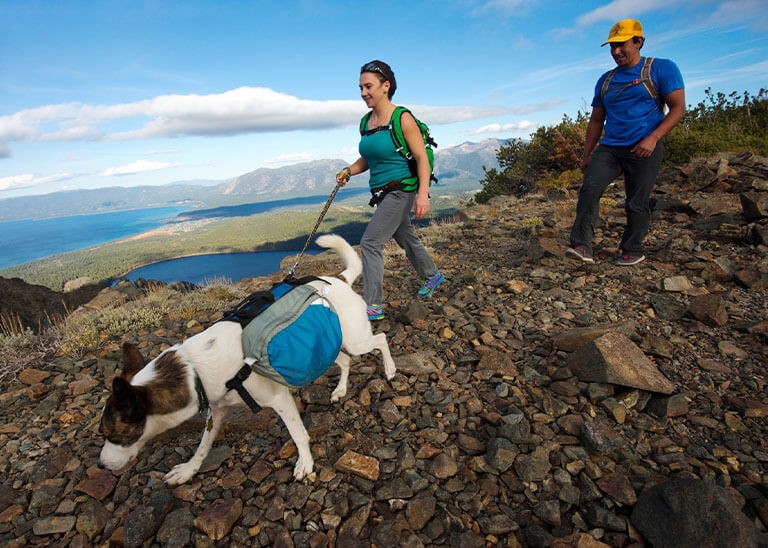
{"x":124,"y":418}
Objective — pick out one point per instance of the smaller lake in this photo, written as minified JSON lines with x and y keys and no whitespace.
{"x":200,"y":269}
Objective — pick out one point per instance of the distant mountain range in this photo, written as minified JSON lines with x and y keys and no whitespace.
{"x":457,"y":167}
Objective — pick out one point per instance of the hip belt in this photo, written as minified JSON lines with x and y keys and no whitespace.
{"x":377,"y":194}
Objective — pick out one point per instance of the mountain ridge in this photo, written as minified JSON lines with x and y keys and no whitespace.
{"x":460,"y":165}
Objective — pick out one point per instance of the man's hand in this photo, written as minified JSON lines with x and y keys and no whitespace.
{"x":645,"y":148}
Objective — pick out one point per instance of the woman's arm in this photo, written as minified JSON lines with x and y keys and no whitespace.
{"x":359,"y":166}
{"x":415,"y":143}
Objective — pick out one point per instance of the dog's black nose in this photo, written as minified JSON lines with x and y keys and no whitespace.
{"x":98,"y":463}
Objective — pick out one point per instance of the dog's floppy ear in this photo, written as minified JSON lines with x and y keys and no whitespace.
{"x":133,"y":361}
{"x":128,"y":400}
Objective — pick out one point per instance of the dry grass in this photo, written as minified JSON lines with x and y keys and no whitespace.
{"x":20,"y":348}
{"x":88,"y":331}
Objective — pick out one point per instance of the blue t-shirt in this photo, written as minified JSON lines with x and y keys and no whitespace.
{"x":384,"y":162}
{"x":631,"y":114}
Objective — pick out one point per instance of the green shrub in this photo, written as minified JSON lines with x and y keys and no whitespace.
{"x":551,"y":150}
{"x":560,"y":183}
{"x":720,"y":123}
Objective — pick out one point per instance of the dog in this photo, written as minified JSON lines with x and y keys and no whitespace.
{"x":148,"y":399}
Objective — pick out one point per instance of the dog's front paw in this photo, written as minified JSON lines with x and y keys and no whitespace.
{"x":181,"y":473}
{"x":303,"y":468}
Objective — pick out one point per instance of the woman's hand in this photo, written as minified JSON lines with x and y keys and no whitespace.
{"x":421,"y":205}
{"x":343,"y":176}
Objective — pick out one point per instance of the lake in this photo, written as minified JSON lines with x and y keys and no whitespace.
{"x":29,"y":240}
{"x":199,"y":269}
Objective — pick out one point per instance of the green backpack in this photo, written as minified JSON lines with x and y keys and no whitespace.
{"x":396,"y":132}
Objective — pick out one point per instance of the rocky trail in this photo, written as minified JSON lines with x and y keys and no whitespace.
{"x":538,"y":402}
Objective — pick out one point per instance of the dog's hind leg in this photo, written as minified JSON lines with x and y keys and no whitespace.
{"x":181,"y":473}
{"x":342,"y":360}
{"x":369,"y":342}
{"x":286,"y":408}
{"x":380,"y":341}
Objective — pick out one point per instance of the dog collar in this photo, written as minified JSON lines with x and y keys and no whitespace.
{"x":202,"y":398}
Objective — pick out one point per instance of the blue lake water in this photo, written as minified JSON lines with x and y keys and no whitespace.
{"x":199,"y":269}
{"x":29,"y":240}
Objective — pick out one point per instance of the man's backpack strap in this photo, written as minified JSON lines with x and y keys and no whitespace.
{"x":645,"y":79}
{"x":606,"y":85}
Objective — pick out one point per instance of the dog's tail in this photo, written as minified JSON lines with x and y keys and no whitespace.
{"x":353,"y":266}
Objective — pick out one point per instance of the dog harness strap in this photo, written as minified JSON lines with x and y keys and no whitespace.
{"x":202,"y":398}
{"x":236,"y":383}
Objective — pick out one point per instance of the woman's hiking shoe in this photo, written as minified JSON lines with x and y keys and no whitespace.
{"x":581,"y":253}
{"x":375,"y":312}
{"x":430,"y":284}
{"x":628,"y":259}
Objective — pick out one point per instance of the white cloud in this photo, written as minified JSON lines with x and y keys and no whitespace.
{"x":537,"y":107}
{"x":29,"y":180}
{"x":238,"y":111}
{"x":292,"y":158}
{"x":507,"y":6}
{"x":622,"y":9}
{"x":524,"y":126}
{"x":751,"y":12}
{"x":139,"y":166}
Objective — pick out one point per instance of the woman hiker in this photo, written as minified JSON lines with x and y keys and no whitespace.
{"x":388,"y":171}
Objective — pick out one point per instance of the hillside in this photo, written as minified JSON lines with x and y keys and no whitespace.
{"x":458,"y":168}
{"x":538,"y":402}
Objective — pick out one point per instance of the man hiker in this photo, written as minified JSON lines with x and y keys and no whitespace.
{"x":629,"y":103}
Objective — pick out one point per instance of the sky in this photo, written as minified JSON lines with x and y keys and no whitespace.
{"x":135,"y":92}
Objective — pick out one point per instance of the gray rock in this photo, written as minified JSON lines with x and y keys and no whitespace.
{"x":684,"y":512}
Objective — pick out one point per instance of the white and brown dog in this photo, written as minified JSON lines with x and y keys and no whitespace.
{"x":147,"y":400}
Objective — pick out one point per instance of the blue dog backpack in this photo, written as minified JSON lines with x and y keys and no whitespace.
{"x":295,"y":339}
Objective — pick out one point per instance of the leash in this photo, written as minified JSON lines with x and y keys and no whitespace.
{"x":314,"y":230}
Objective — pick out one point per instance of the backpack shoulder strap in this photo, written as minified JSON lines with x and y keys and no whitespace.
{"x":396,"y":130}
{"x":364,"y":122}
{"x":645,"y":78}
{"x":606,"y":84}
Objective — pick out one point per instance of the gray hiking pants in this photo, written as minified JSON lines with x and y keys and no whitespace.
{"x":391,"y":220}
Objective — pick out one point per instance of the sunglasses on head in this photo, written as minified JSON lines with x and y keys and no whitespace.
{"x":373,"y":67}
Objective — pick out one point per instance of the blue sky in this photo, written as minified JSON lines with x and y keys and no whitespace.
{"x":121,"y":93}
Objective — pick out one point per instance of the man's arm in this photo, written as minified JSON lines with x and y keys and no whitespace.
{"x":594,"y":132}
{"x":675,"y":100}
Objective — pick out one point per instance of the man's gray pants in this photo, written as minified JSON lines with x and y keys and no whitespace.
{"x":391,"y":220}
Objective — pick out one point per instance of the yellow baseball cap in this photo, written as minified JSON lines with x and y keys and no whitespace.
{"x":624,"y":30}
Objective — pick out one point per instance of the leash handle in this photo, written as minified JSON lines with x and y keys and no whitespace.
{"x":317,"y":224}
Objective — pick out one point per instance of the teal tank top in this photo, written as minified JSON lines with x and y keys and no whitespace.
{"x":385,"y":164}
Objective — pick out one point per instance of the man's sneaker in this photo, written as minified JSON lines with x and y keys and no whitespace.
{"x":581,"y":253}
{"x":375,"y":312}
{"x":430,"y":284}
{"x":628,"y":259}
